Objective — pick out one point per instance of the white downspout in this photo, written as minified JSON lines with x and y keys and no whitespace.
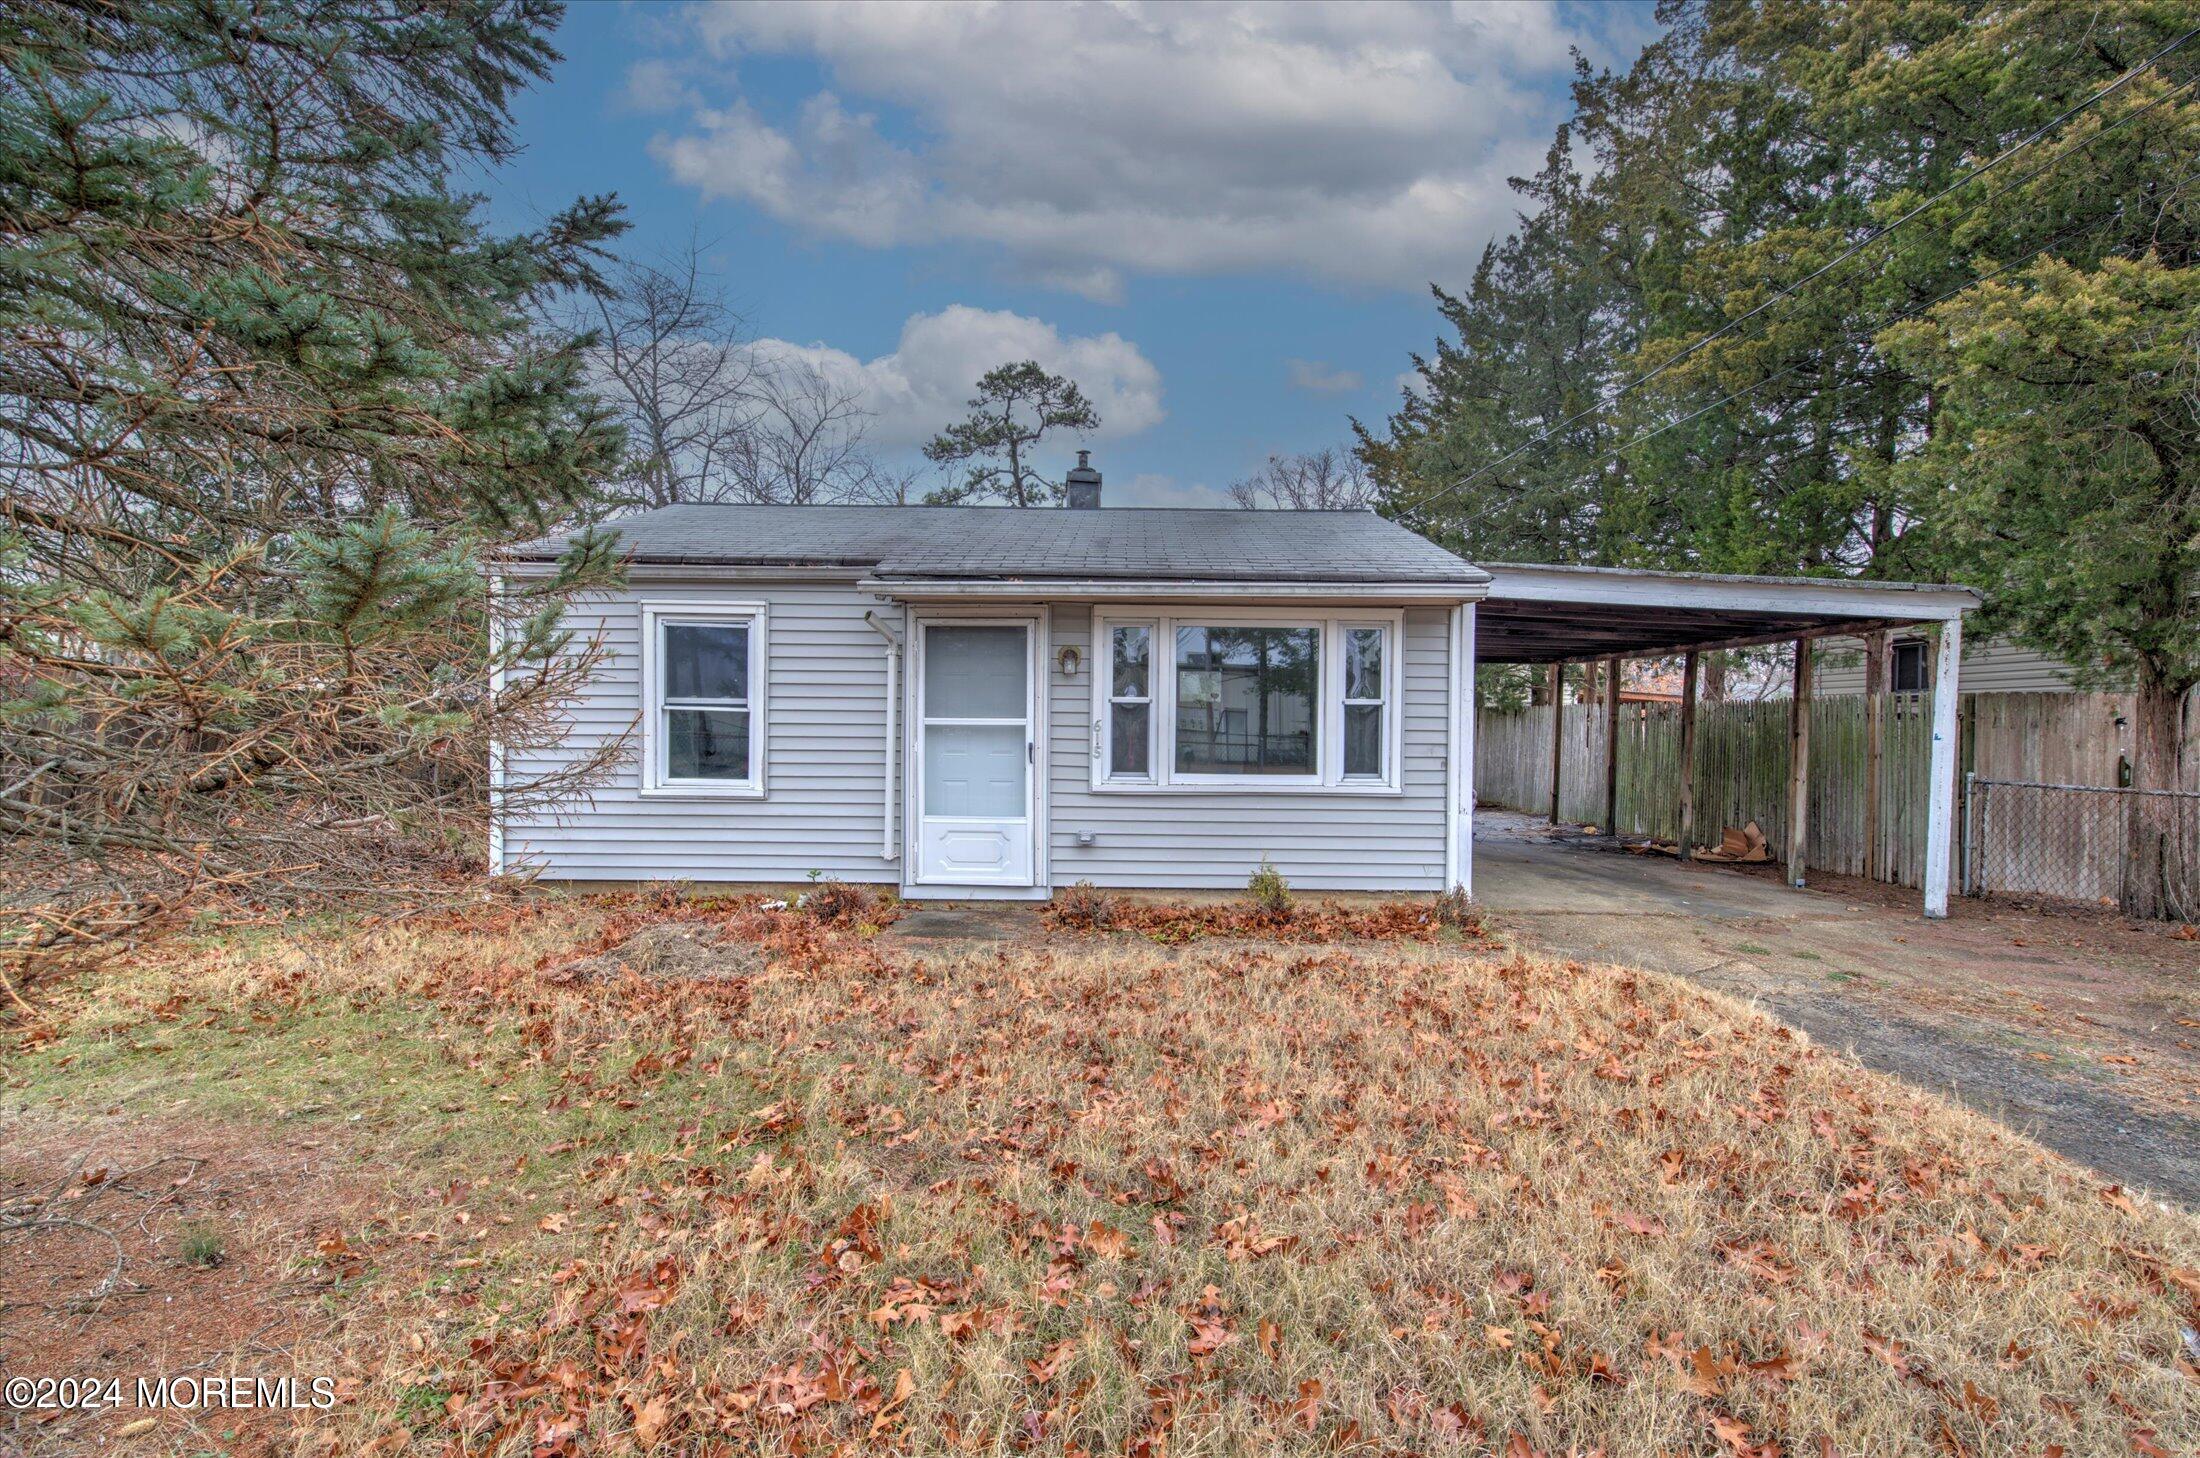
{"x":889,"y":846}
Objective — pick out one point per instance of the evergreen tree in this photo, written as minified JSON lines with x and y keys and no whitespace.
{"x":1754,"y":335}
{"x":1016,"y":405}
{"x":270,"y":390}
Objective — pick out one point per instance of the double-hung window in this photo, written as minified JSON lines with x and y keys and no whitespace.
{"x":1366,"y":708}
{"x":703,"y":699}
{"x":1194,"y":700}
{"x":1127,"y":735}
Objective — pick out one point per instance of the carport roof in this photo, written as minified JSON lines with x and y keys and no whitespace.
{"x":1537,"y":613}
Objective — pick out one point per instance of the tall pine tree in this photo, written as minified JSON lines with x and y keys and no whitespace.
{"x":1765,"y":363}
{"x":270,"y":391}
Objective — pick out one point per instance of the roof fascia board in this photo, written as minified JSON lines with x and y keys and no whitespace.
{"x":1831,"y":596}
{"x":698,"y":571}
{"x":1164,"y":589}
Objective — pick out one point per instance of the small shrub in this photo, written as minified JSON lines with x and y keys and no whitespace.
{"x":201,"y":1245}
{"x":837,"y":903}
{"x":1455,"y":909}
{"x":1086,"y":907}
{"x":1270,"y":892}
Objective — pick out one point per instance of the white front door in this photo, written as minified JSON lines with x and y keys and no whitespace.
{"x":977,"y":752}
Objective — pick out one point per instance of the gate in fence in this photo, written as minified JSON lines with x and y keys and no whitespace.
{"x":2138,"y":849}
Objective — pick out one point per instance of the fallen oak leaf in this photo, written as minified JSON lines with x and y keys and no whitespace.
{"x":1888,"y":1350}
{"x":1209,"y":1336}
{"x":905,"y":1386}
{"x":651,"y":1418}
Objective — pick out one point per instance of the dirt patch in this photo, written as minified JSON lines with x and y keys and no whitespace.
{"x":134,"y":1249}
{"x":946,"y":924}
{"x":674,"y":952}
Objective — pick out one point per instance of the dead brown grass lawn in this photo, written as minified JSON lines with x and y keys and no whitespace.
{"x":1097,"y":1196}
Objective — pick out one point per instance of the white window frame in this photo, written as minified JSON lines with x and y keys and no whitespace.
{"x":1107,"y":698}
{"x":1388,"y":667}
{"x":1161,"y":775}
{"x":656,"y":617}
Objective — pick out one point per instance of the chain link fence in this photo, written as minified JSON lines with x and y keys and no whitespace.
{"x":2138,"y":850}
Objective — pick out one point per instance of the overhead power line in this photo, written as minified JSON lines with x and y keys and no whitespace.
{"x":1788,"y":291}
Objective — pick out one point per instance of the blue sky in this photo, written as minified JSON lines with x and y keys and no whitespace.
{"x":1221,"y":220}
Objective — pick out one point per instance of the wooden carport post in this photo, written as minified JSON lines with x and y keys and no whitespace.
{"x":1688,"y":756}
{"x":1799,"y":764}
{"x":1611,"y":746}
{"x":1558,"y":731}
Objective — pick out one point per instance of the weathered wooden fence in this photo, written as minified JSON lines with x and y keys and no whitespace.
{"x":1742,"y":766}
{"x":1741,"y":773}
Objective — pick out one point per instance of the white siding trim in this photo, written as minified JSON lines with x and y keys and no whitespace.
{"x":1459,"y":756}
{"x":1941,"y":789}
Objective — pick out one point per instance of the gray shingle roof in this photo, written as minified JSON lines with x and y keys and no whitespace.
{"x":997,"y":542}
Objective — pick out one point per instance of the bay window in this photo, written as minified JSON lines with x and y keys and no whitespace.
{"x":1195,"y":699}
{"x":702,"y":689}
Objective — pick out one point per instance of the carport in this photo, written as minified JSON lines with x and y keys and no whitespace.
{"x":1554,"y":616}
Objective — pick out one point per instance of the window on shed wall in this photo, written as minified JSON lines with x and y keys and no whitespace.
{"x":1907,"y":671}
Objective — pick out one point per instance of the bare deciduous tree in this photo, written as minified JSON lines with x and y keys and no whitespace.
{"x":671,"y":360}
{"x":1323,"y":480}
{"x":801,"y":442}
{"x":713,"y":416}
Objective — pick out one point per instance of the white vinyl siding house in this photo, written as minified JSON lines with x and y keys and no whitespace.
{"x":1282,"y":717}
{"x":1115,"y":831}
{"x":990,"y":702}
{"x":820,"y":680}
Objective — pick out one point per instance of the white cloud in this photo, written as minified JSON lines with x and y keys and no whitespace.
{"x":1320,"y":379}
{"x":924,"y":384}
{"x":1147,"y":488}
{"x":1362,"y":143}
{"x":657,"y":85}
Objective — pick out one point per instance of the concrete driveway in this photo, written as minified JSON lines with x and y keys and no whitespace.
{"x":2074,"y":1026}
